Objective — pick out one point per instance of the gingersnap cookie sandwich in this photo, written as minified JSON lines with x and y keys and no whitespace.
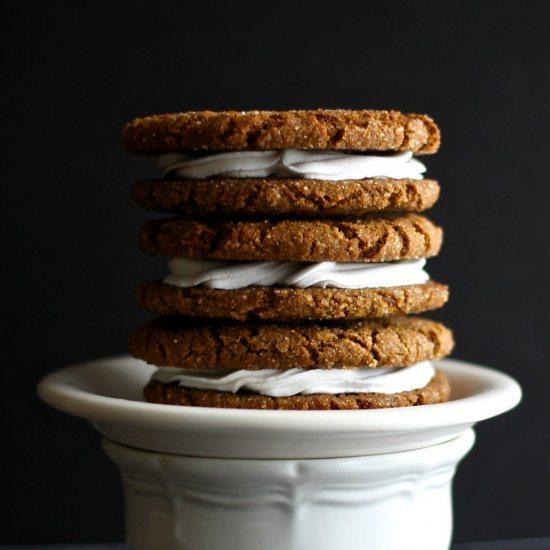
{"x":224,"y":163}
{"x":295,"y":255}
{"x":294,"y":269}
{"x":357,"y":365}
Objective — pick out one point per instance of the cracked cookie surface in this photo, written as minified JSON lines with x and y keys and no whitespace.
{"x":187,"y":343}
{"x":377,"y":239}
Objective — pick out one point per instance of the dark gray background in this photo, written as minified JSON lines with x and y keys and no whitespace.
{"x":74,"y":73}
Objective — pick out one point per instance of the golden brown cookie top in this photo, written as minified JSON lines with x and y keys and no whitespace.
{"x":185,"y":342}
{"x":378,"y":239}
{"x":338,"y":129}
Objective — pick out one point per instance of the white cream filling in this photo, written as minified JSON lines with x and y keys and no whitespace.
{"x":323,"y":165}
{"x":283,"y":383}
{"x":189,"y":272}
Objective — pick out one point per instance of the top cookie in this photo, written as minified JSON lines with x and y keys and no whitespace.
{"x":339,"y":129}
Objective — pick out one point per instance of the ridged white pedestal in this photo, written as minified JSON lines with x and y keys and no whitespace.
{"x":381,"y":502}
{"x":200,"y":478}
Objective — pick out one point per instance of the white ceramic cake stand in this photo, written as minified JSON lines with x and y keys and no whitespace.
{"x":223,"y":479}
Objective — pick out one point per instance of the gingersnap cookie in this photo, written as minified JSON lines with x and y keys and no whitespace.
{"x":291,"y":304}
{"x":340,"y":129}
{"x":377,"y":239}
{"x":285,"y":196}
{"x":187,"y":343}
{"x":436,"y":391}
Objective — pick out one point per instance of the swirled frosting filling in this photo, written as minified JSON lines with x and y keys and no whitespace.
{"x":322,"y":165}
{"x":284,"y":383}
{"x":189,"y":272}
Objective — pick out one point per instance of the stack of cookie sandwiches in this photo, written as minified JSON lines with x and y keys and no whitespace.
{"x":296,"y":260}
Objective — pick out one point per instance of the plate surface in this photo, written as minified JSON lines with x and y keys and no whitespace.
{"x":107,"y":392}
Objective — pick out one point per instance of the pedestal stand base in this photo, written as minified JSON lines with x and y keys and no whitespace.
{"x":379,"y":502}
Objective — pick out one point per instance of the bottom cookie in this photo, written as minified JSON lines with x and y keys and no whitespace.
{"x":436,"y":391}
